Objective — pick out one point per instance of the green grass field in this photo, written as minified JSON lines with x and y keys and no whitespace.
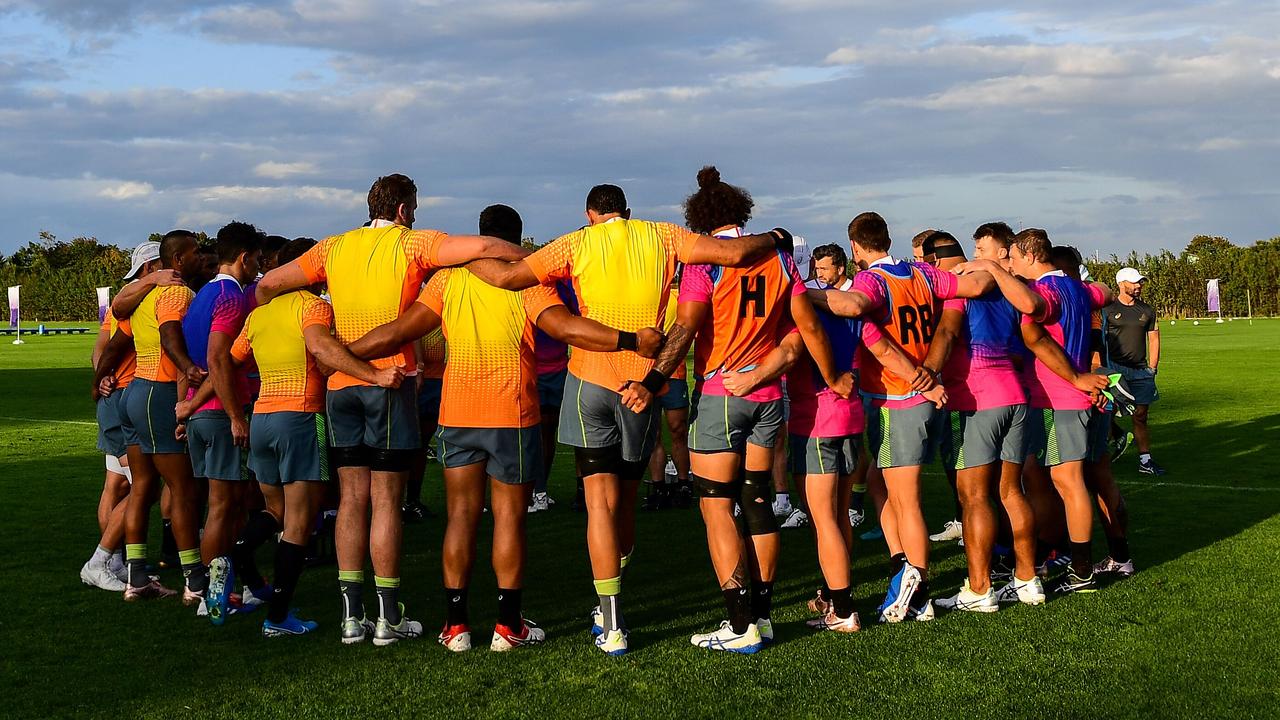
{"x":1192,"y":634}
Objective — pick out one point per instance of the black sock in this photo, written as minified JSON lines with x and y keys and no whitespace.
{"x":414,"y":492}
{"x":352,"y":591}
{"x":922,"y":592}
{"x":857,"y":500}
{"x":738,"y":602}
{"x":896,"y":562}
{"x":455,"y":606}
{"x":257,"y":530}
{"x":842,"y":599}
{"x":509,"y":607}
{"x":138,"y":576}
{"x":1119,"y":549}
{"x":168,"y":545}
{"x":761,"y":599}
{"x":388,"y":599}
{"x":824,"y":592}
{"x":288,"y":568}
{"x":1081,"y":559}
{"x":1042,"y":552}
{"x":1064,"y":546}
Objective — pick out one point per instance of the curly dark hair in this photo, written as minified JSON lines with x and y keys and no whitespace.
{"x":716,"y":203}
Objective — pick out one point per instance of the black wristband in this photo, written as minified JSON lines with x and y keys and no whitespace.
{"x":627,"y":340}
{"x":654,"y":381}
{"x":783,"y":240}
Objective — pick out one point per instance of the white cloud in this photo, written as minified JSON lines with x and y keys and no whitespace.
{"x":127,"y":190}
{"x":278,"y":170}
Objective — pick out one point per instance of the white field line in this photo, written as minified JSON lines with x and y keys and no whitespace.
{"x":1197,"y":486}
{"x":44,"y":420}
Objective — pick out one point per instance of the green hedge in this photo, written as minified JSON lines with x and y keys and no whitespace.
{"x":58,"y":278}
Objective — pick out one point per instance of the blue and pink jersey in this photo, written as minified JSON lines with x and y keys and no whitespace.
{"x":980,"y":374}
{"x":220,"y":306}
{"x":1069,"y":306}
{"x":553,"y":355}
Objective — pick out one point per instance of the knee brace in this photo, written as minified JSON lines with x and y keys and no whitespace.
{"x":718,"y":490}
{"x":391,"y":460}
{"x":757,"y":511}
{"x":355,"y":456}
{"x":597,"y":461}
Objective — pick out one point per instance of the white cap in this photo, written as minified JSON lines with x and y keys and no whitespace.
{"x":143,"y":254}
{"x":802,"y":254}
{"x":1128,"y":274}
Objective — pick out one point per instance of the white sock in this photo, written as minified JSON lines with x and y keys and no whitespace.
{"x":101,"y":556}
{"x":1144,"y":458}
{"x":784,"y":498}
{"x":117,"y":560}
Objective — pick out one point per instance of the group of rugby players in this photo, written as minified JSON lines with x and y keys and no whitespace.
{"x":320,"y":362}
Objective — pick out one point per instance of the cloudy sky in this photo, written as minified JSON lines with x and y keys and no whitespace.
{"x":1114,"y":125}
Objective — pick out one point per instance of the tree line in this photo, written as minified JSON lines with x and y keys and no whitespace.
{"x":58,"y":277}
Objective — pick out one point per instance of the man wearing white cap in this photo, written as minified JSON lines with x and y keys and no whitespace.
{"x":106,"y":568}
{"x":1133,"y":350}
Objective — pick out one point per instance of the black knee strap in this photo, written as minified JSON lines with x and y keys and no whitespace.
{"x":391,"y":460}
{"x":757,"y":510}
{"x":713,"y":489}
{"x":632,"y":470}
{"x":354,"y":456}
{"x":597,"y":461}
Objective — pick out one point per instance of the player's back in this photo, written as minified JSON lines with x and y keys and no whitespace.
{"x":1070,"y":321}
{"x":747,"y":306}
{"x":490,"y":375}
{"x":621,"y":271}
{"x":909,"y":316}
{"x":373,"y":274}
{"x":290,"y":379}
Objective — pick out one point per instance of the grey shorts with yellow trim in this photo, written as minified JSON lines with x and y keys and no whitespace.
{"x":288,"y":447}
{"x":594,"y":417}
{"x":822,"y":456}
{"x":726,"y":423}
{"x":1055,"y":437}
{"x":904,"y":437}
{"x":213,"y":450}
{"x":110,"y":433}
{"x":148,"y":417}
{"x":977,"y":438}
{"x":375,"y":417}
{"x":511,"y":455}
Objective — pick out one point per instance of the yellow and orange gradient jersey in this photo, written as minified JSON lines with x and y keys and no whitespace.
{"x":129,"y":363}
{"x":272,"y":334}
{"x":433,"y":354}
{"x":161,"y":305}
{"x":373,"y":274}
{"x":490,"y":377}
{"x":621,"y":272}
